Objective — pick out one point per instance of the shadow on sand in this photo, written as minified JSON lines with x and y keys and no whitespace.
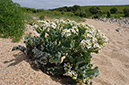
{"x":19,"y":57}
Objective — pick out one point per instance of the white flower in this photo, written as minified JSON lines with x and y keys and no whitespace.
{"x":41,"y":21}
{"x":56,"y":21}
{"x":71,"y":73}
{"x":88,"y":41}
{"x":53,"y":25}
{"x":82,"y":44}
{"x":89,"y":35}
{"x":74,"y":23}
{"x":66,"y":32}
{"x":62,"y":21}
{"x":94,"y":40}
{"x":88,"y":46}
{"x":36,"y":26}
{"x":96,"y":45}
{"x":84,"y":81}
{"x":74,"y":29}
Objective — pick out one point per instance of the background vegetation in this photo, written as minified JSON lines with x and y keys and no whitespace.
{"x":95,"y":11}
{"x":11,"y":20}
{"x":13,"y":17}
{"x":84,"y":11}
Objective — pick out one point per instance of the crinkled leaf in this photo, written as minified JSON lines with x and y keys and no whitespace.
{"x":19,"y":47}
{"x":93,"y":72}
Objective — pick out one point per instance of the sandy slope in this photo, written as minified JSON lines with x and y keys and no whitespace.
{"x":113,"y":61}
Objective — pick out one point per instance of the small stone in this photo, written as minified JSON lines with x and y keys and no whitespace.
{"x":118,"y":30}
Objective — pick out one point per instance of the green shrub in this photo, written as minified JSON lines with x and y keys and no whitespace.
{"x":70,"y":14}
{"x":94,"y":10}
{"x":108,"y":14}
{"x":77,"y":13}
{"x":88,"y":13}
{"x":57,"y":13}
{"x":76,"y":7}
{"x":126,"y":12}
{"x":11,"y":20}
{"x":99,"y":14}
{"x":41,"y":17}
{"x":64,"y":48}
{"x":83,"y":14}
{"x":63,"y":13}
{"x":113,"y":10}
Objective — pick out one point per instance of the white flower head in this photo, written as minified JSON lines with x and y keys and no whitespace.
{"x":66,"y":32}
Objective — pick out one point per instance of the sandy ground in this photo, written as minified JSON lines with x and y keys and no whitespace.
{"x":113,"y":60}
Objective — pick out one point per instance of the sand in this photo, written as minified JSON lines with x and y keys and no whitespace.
{"x":113,"y":60}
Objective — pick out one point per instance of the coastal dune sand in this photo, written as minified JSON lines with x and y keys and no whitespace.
{"x":113,"y":60}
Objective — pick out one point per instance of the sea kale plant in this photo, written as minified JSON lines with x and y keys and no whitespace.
{"x":64,"y":47}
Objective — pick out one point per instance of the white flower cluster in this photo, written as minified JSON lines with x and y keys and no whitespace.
{"x":68,"y":32}
{"x":88,"y":80}
{"x":67,"y":26}
{"x":69,"y":71}
{"x":43,"y":24}
{"x":92,"y":38}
